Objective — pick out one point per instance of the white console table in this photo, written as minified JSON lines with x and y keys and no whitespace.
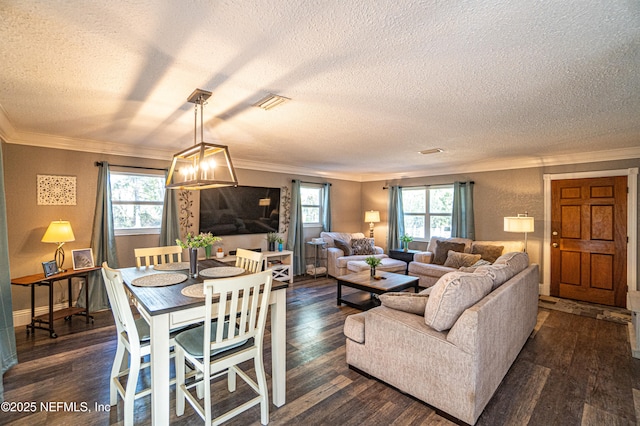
{"x":282,"y":271}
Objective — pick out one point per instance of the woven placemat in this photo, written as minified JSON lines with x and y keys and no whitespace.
{"x":221,"y":272}
{"x":159,"y":280}
{"x":176,"y":266}
{"x":195,"y":290}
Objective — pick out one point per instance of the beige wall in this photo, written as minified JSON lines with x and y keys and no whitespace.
{"x":497,"y":194}
{"x":27,"y":221}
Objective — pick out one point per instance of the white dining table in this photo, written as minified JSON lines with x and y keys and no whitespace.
{"x":166,"y":308}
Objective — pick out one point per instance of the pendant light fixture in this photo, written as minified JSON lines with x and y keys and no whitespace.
{"x":204,"y":165}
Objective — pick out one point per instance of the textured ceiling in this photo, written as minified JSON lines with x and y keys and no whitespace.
{"x":495,"y":83}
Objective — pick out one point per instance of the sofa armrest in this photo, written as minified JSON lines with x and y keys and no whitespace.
{"x":423,"y":257}
{"x":334,"y":252}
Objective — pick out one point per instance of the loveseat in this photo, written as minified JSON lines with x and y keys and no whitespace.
{"x":343,"y":247}
{"x":432,"y":264}
{"x":452,"y":344}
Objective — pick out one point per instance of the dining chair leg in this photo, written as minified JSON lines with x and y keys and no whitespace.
{"x":262,"y":386}
{"x":231,"y":379}
{"x":116,"y":368}
{"x":180,"y":378}
{"x":132,"y":384}
{"x":207,"y":400}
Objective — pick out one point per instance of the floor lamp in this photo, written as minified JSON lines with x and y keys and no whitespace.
{"x":520,"y":223}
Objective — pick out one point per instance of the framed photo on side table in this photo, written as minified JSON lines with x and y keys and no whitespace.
{"x":82,"y":259}
{"x":49,"y":268}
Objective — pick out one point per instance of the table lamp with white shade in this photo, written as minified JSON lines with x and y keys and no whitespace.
{"x":371,"y":216}
{"x":520,"y":223}
{"x":59,"y":232}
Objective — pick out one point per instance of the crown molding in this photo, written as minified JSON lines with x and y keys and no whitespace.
{"x":513,"y":163}
{"x":7,"y":131}
{"x":10,"y":135}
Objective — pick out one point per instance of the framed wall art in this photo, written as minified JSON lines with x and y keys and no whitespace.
{"x":56,"y":190}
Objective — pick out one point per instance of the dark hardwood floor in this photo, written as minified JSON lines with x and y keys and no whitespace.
{"x":574,"y":370}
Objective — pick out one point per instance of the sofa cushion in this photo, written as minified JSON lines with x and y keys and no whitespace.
{"x":360,"y":246}
{"x":499,"y":274}
{"x":517,"y":260}
{"x":388,"y":264}
{"x":458,"y":260}
{"x":329,"y":237}
{"x":346,"y":248}
{"x":414,"y":303}
{"x":442,"y":250}
{"x":428,"y":269}
{"x":475,"y":266}
{"x":451,"y":295}
{"x":433,"y":242}
{"x":487,"y":252}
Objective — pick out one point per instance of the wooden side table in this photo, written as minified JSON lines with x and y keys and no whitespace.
{"x":405,"y":256}
{"x":48,"y":319}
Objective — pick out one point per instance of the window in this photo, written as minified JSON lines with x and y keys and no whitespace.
{"x":137,"y":201}
{"x":427,"y":211}
{"x":311,"y":197}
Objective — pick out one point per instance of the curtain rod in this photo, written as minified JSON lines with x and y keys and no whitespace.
{"x":315,"y":183}
{"x":427,"y":186}
{"x":99,"y":163}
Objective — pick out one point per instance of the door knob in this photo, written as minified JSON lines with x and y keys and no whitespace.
{"x":554,"y":233}
{"x":555,"y":245}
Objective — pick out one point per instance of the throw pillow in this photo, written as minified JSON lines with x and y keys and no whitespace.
{"x":516,"y":260}
{"x":452,"y":295}
{"x":442,"y":250}
{"x":414,"y":303}
{"x":475,"y":266}
{"x":362,"y":246}
{"x":458,"y":260}
{"x":499,"y":274}
{"x":346,"y":248}
{"x":487,"y":252}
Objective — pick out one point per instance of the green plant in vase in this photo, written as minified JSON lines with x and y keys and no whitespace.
{"x":280,"y":242}
{"x":193,"y":243}
{"x":406,"y":239}
{"x":373,"y":261}
{"x":210,"y":240}
{"x":272,"y":239}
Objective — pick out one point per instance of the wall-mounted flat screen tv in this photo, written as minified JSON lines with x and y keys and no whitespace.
{"x":239,"y":210}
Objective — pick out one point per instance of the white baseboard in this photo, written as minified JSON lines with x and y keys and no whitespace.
{"x":23,"y":317}
{"x":545,"y":289}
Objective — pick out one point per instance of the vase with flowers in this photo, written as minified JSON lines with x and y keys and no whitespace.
{"x":193,"y":243}
{"x":406,"y":239}
{"x":373,"y":261}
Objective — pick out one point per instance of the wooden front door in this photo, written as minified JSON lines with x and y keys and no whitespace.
{"x":589,"y":240}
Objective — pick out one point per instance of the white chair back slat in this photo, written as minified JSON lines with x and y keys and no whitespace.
{"x":249,"y":260}
{"x":157,"y":255}
{"x":247,"y":299}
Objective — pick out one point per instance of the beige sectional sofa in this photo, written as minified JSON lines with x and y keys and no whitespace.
{"x":337,"y":260}
{"x":429,"y":273}
{"x":443,"y":348}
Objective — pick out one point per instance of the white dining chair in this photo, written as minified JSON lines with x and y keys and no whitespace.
{"x":249,"y":260}
{"x":151,"y":256}
{"x":133,"y":337}
{"x":133,"y":340}
{"x":232,"y":333}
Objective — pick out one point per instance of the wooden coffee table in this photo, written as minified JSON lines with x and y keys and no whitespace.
{"x":369,"y":287}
